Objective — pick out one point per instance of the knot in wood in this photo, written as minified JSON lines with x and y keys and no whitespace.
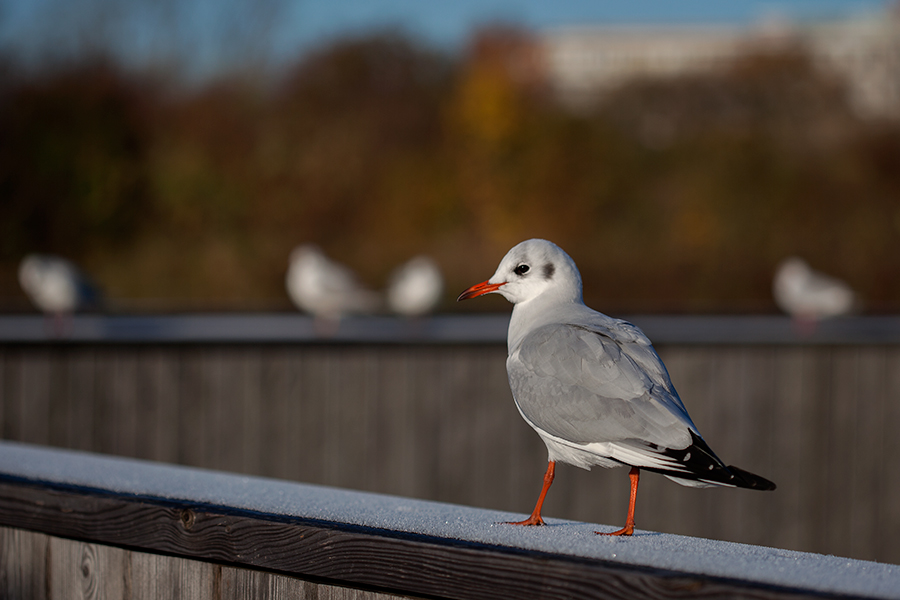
{"x":187,"y":518}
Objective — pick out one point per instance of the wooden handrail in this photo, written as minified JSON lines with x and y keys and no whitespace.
{"x":396,"y":545}
{"x":269,"y":328}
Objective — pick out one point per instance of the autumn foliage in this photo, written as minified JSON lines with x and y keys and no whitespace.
{"x":671,"y":195}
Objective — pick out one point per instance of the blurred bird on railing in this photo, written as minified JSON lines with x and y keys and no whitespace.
{"x":58,"y":288}
{"x":415,"y":287}
{"x":809,"y":296}
{"x":326,"y":289}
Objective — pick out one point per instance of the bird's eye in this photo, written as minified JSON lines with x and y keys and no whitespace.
{"x":521,"y":269}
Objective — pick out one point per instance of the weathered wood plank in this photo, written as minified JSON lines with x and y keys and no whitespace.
{"x":350,"y":555}
{"x":790,"y":406}
{"x":840,"y":453}
{"x":74,"y":425}
{"x":81,"y":570}
{"x":21,"y":557}
{"x":29,"y":407}
{"x":75,"y":569}
{"x":757,"y":450}
{"x":276,"y":399}
{"x":160,"y":405}
{"x":888,"y":512}
{"x":232,"y":437}
{"x":868,"y":455}
{"x":194,"y":445}
{"x":123,"y":400}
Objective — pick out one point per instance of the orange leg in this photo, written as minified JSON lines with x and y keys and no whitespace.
{"x":535,"y":518}
{"x":634,"y":475}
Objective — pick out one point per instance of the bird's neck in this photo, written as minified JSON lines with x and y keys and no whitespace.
{"x":537,"y":312}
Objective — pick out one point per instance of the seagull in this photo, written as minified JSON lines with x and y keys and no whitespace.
{"x":56,"y":286}
{"x":592,"y":386}
{"x":809,"y":296}
{"x":415,"y":287}
{"x":324,"y":288}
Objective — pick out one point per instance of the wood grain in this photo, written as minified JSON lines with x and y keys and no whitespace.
{"x":76,"y":569}
{"x":334,"y":553}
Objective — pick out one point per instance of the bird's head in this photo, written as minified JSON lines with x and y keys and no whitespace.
{"x":532,"y":269}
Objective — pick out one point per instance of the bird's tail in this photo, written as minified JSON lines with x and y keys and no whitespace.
{"x":700,"y":467}
{"x":746,"y":479}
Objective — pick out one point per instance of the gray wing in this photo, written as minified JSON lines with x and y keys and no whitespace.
{"x":596,"y":383}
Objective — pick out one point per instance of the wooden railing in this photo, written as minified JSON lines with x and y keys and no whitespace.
{"x":75,"y":524}
{"x":423,"y":410}
{"x":293,"y":328}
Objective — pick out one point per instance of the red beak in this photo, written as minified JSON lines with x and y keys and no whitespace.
{"x":480,"y":289}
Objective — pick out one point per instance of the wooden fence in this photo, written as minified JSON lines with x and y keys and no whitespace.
{"x":436,"y":421}
{"x":76,"y":525}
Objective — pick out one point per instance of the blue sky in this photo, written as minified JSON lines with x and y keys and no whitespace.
{"x":212,"y":32}
{"x":447,"y":23}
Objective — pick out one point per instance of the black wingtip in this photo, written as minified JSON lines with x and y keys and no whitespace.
{"x":701,"y":463}
{"x":748,"y":480}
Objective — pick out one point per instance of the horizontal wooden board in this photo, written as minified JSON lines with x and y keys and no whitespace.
{"x":37,"y":565}
{"x":464,"y":328}
{"x":345,"y":555}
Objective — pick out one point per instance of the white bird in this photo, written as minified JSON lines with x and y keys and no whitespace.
{"x":592,"y":386}
{"x":415,"y":287}
{"x":55,"y":285}
{"x":808,"y":295}
{"x":325,"y":288}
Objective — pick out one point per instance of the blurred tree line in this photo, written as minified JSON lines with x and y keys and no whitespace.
{"x":671,"y":195}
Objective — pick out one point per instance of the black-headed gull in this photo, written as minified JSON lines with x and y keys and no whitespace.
{"x":324,"y":288}
{"x":56,"y":286}
{"x":592,"y":386}
{"x":415,"y":287}
{"x":808,"y":295}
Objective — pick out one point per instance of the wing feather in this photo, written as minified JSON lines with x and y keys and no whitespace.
{"x":590,"y":384}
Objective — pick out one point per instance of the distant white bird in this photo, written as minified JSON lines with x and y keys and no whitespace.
{"x":592,"y":386}
{"x":415,"y":287}
{"x":56,"y":286}
{"x":325,"y":288}
{"x":808,"y":295}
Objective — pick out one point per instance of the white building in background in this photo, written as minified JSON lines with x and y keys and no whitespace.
{"x":865,"y":52}
{"x":584,"y":62}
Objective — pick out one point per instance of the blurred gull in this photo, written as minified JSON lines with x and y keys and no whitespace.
{"x":592,"y":386}
{"x":809,"y":296}
{"x":325,"y":288}
{"x":415,"y":287}
{"x":56,"y":286}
